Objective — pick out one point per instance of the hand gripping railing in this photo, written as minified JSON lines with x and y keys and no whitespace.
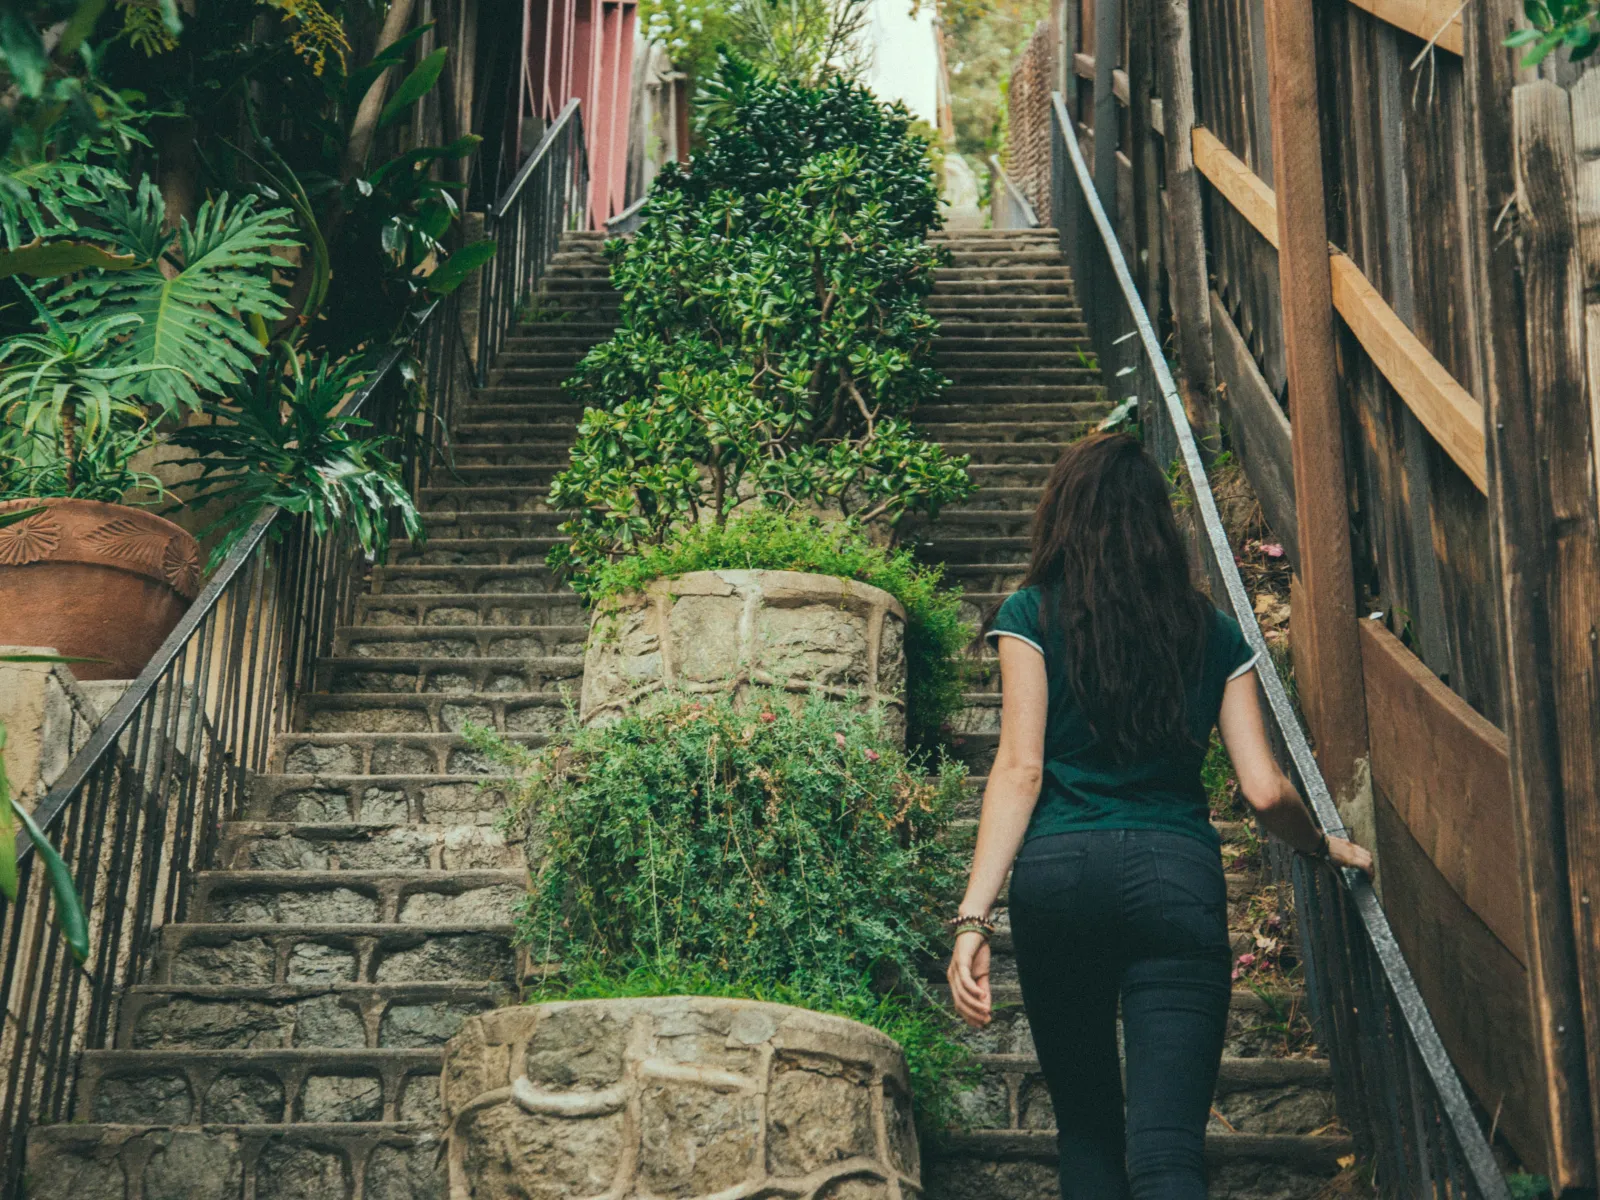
{"x":548,"y":196}
{"x":1394,"y":1083}
{"x":140,"y":807}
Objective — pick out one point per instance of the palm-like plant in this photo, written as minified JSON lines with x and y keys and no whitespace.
{"x":283,"y":440}
{"x":69,"y":407}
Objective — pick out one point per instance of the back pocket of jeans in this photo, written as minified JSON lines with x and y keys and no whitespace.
{"x":1049,"y":882}
{"x":1194,"y":899}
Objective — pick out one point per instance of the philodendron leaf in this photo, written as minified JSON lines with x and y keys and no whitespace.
{"x":459,"y":266}
{"x":69,"y":908}
{"x":415,"y":86}
{"x":48,"y":260}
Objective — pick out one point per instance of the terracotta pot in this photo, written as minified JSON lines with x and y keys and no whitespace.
{"x":94,"y":580}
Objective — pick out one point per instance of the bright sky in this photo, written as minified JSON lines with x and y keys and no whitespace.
{"x":905,"y":58}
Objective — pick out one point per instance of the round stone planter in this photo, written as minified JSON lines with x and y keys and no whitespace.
{"x":681,"y":1096}
{"x":94,"y":580}
{"x":724,"y":632}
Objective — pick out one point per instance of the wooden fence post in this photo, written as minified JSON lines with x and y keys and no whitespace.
{"x":1557,"y":540}
{"x":1107,"y":49}
{"x":1327,"y":641}
{"x":1191,"y":290}
{"x":1514,"y":503}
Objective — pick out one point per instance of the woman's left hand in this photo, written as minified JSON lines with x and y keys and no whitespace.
{"x":969,"y":978}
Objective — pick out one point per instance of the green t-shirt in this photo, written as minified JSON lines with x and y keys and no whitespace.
{"x":1084,"y":786}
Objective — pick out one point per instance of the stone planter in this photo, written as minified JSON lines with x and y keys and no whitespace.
{"x":682,"y":1096}
{"x":724,"y":632}
{"x":94,"y":580}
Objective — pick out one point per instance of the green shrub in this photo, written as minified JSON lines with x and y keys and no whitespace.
{"x":773,"y":338}
{"x":763,"y":540}
{"x":751,"y":850}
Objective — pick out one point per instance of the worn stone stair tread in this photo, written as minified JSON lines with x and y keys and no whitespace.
{"x":1039,"y":1145}
{"x":567,"y":665}
{"x":363,"y":634}
{"x":346,"y":846}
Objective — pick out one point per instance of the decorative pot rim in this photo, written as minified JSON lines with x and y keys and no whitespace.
{"x":95,"y":533}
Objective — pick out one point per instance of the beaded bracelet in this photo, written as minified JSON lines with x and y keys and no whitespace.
{"x":960,"y":925}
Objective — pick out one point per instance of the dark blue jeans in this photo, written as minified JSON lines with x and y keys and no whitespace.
{"x":1142,"y":916}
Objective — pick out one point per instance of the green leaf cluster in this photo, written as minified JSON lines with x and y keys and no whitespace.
{"x":282,"y":440}
{"x":774,"y":337}
{"x":1556,"y":24}
{"x":770,"y":848}
{"x":937,"y":635}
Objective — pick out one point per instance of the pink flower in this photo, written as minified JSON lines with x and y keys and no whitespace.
{"x":839,"y":737}
{"x":1247,"y":960}
{"x":872,"y":756}
{"x":1272,"y":549}
{"x":769,"y":718}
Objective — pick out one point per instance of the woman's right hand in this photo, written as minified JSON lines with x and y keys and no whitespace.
{"x":969,"y":978}
{"x":1345,"y":853}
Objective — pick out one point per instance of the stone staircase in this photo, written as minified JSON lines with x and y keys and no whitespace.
{"x":287,"y":1043}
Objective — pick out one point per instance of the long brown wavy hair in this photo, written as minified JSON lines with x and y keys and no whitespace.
{"x":1106,"y":549}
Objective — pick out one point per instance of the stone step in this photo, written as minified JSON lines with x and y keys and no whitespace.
{"x":345,"y":846}
{"x":942,"y":548}
{"x":996,"y":453}
{"x":999,"y":303}
{"x":994,"y":431}
{"x":430,"y":713}
{"x":1000,"y":499}
{"x":960,"y":340}
{"x":385,"y":754}
{"x":521,"y":642}
{"x":449,"y":610}
{"x":451,"y":524}
{"x":413,"y":578}
{"x":525,"y":411}
{"x":330,"y":1014}
{"x":998,"y":417}
{"x":468,"y":497}
{"x":987,"y":395}
{"x":1007,"y":256}
{"x":524,"y":452}
{"x":447,"y":551}
{"x":265,"y":1087}
{"x":1253,"y":1096}
{"x":281,"y":955}
{"x":531,"y":335}
{"x":511,"y":475}
{"x":390,"y":1160}
{"x":1257,"y":1021}
{"x":1010,"y":282}
{"x":1020,"y":1164}
{"x":991,"y":237}
{"x":454,"y":676}
{"x":558,"y":423}
{"x":1003,"y":375}
{"x":486,"y":898}
{"x":334,"y":797}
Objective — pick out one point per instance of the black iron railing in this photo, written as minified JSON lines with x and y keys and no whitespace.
{"x":1395,"y":1086}
{"x":140,"y":807}
{"x":548,"y":196}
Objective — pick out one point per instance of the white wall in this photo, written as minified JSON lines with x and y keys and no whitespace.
{"x":905,"y":57}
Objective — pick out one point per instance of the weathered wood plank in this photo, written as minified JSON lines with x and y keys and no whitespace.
{"x":1477,"y":992}
{"x":1258,"y":428}
{"x":1447,"y":772}
{"x":1436,"y":20}
{"x":1330,"y":652}
{"x":1186,"y":223}
{"x":1566,"y":526}
{"x":1565,"y":1150}
{"x":1445,"y":408}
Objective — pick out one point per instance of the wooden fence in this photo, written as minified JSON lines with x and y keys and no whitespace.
{"x":1374,"y":239}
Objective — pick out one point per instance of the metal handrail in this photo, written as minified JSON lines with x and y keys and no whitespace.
{"x":1404,"y":1009}
{"x":548,"y":195}
{"x":1001,"y":184}
{"x":532,"y":162}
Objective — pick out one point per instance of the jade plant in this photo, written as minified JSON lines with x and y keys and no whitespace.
{"x":776,"y":850}
{"x":774,"y":338}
